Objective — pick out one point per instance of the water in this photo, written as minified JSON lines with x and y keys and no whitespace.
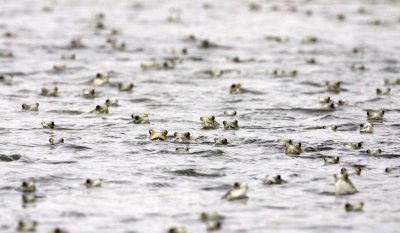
{"x":148,"y":186}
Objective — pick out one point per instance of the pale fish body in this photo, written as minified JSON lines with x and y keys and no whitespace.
{"x":60,"y":67}
{"x":353,"y":145}
{"x":101,"y":109}
{"x":328,"y":106}
{"x":343,"y":185}
{"x":209,"y":122}
{"x":293,"y":150}
{"x":366,"y":128}
{"x":28,"y":185}
{"x":274,"y":180}
{"x":28,"y":197}
{"x":68,"y":56}
{"x":6,"y":79}
{"x":220,"y":141}
{"x":375,"y":115}
{"x":158,"y":136}
{"x":50,"y":92}
{"x":235,"y":88}
{"x":89,"y":93}
{"x":330,"y":127}
{"x":125,"y":86}
{"x":333,"y":86}
{"x":282,"y":141}
{"x":216,"y":73}
{"x":358,"y":66}
{"x":48,"y":124}
{"x":100,"y":79}
{"x":90,"y":183}
{"x":324,"y":99}
{"x":331,"y":160}
{"x":55,"y":142}
{"x":384,"y":91}
{"x":357,"y":171}
{"x":211,"y":216}
{"x":110,"y":102}
{"x":60,"y":230}
{"x":142,"y":118}
{"x":31,"y":107}
{"x":230,"y":113}
{"x":27,"y":226}
{"x":358,"y":207}
{"x":231,"y":125}
{"x":178,"y":229}
{"x":374,"y":152}
{"x":238,"y":191}
{"x":181,"y":137}
{"x":214,"y":225}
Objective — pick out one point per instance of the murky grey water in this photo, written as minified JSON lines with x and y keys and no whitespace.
{"x":149,"y":186}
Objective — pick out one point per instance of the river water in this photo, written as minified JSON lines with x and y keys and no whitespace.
{"x":149,"y":186}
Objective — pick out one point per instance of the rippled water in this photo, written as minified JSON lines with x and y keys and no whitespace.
{"x":149,"y":186}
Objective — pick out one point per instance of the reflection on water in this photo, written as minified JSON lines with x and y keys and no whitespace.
{"x":183,"y":57}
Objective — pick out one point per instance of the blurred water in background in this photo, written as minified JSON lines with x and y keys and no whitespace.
{"x":149,"y":186}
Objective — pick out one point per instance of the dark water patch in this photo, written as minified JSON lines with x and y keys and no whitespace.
{"x":76,"y":147}
{"x":194,"y":173}
{"x":112,"y":148}
{"x":60,"y":162}
{"x":9,"y":158}
{"x":248,"y":127}
{"x":349,"y":126}
{"x":372,"y":100}
{"x":257,"y":141}
{"x":130,"y":220}
{"x":66,"y":71}
{"x":301,"y":110}
{"x":160,"y":185}
{"x":15,"y":73}
{"x":332,"y":117}
{"x":275,"y":207}
{"x":65,"y":111}
{"x":233,"y":101}
{"x":171,"y":151}
{"x":318,"y":148}
{"x":195,"y":58}
{"x":74,"y":214}
{"x":7,"y":188}
{"x":209,"y":153}
{"x":387,"y":156}
{"x":326,"y":226}
{"x":390,"y":69}
{"x":312,"y":84}
{"x":217,"y":188}
{"x":314,"y":127}
{"x":185,"y":83}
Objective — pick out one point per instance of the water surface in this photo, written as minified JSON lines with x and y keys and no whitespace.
{"x":149,"y":186}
